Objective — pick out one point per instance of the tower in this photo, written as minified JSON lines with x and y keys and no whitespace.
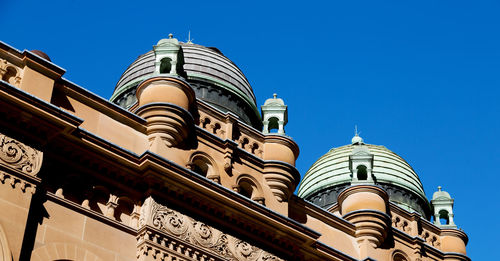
{"x":360,"y":162}
{"x":442,"y":205}
{"x":274,"y":115}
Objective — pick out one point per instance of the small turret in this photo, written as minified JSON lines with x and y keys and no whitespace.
{"x":167,"y":56}
{"x":274,"y":115}
{"x":360,"y":162}
{"x":442,"y":204}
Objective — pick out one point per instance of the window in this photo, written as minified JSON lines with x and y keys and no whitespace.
{"x":444,"y":219}
{"x":362,"y":173}
{"x":273,"y":124}
{"x":398,"y":256}
{"x":165,"y":65}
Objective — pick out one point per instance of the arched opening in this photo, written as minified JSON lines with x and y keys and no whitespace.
{"x":362,"y":173}
{"x":399,"y":257}
{"x":273,"y":125}
{"x":205,"y":123}
{"x":10,"y":75}
{"x":201,"y":166}
{"x":246,"y":188}
{"x":165,"y":65}
{"x":444,"y":219}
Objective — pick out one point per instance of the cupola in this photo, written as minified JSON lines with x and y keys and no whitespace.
{"x":442,"y":205}
{"x":359,"y":163}
{"x":215,"y":79}
{"x":274,"y":115}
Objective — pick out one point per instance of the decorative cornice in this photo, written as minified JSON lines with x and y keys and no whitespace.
{"x":199,"y":234}
{"x":19,"y":157}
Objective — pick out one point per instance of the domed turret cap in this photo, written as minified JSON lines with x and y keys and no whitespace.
{"x":274,"y":101}
{"x":331,"y":173}
{"x":440,"y":194}
{"x":214,"y":78}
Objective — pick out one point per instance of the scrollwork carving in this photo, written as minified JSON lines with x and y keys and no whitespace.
{"x":200,"y":234}
{"x":18,"y":156}
{"x":170,"y":220}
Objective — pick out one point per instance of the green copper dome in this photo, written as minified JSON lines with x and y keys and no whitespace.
{"x":214,"y":78}
{"x":332,"y":173}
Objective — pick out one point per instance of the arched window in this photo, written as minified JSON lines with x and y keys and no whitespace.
{"x":201,"y":166}
{"x":246,"y":188}
{"x":165,"y":65}
{"x":362,"y":173}
{"x":444,"y":219}
{"x":205,"y":166}
{"x":399,"y":256}
{"x":273,"y":124}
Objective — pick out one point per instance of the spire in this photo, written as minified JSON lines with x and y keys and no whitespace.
{"x":189,"y":41}
{"x":356,"y":140}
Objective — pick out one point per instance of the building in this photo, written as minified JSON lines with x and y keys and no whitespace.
{"x":180,"y":165}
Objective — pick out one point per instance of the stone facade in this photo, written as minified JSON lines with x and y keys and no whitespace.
{"x":173,"y":178}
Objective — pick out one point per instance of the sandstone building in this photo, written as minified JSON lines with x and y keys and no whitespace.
{"x":180,"y":164}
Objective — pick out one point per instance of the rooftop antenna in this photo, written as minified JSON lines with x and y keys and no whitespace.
{"x":189,"y":41}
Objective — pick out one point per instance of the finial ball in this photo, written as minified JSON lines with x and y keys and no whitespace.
{"x":357,"y":139}
{"x":170,"y":36}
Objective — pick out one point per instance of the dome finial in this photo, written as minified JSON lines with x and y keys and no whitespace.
{"x":439,"y":188}
{"x":356,"y":139}
{"x":275,"y":95}
{"x":170,"y":35}
{"x":189,"y":41}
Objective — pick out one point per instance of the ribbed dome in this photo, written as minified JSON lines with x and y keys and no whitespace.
{"x":215,"y":79}
{"x":331,"y":173}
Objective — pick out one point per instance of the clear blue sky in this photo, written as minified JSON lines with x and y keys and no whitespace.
{"x":420,"y":78}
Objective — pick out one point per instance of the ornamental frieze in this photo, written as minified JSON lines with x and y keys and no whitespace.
{"x":20,"y":157}
{"x":200,"y":234}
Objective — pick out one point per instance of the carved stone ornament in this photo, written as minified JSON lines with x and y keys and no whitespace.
{"x":20,"y":157}
{"x":198,"y":233}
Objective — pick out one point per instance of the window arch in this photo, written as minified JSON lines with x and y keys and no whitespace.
{"x":444,"y":218}
{"x":247,"y":189}
{"x":205,"y":166}
{"x":165,"y":65}
{"x":399,"y":256}
{"x":362,"y":173}
{"x":273,"y":124}
{"x":250,"y":188}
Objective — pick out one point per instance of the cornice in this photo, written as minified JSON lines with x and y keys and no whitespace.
{"x":90,"y":213}
{"x":325,"y":216}
{"x":153,"y":165}
{"x":47,"y":67}
{"x":102,"y":105}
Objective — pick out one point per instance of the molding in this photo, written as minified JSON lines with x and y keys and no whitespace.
{"x":19,"y":157}
{"x":199,"y":234}
{"x":90,"y":213}
{"x":325,"y":216}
